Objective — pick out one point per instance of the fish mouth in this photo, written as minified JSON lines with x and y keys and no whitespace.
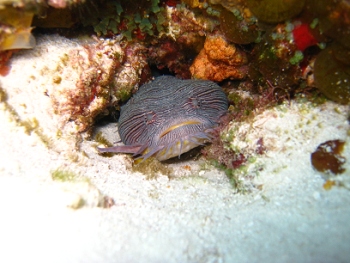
{"x":179,"y":125}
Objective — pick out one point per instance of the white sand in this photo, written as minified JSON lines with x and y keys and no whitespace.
{"x":195,"y":217}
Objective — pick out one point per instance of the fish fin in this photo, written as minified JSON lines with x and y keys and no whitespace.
{"x":121,"y":149}
{"x":145,"y":153}
{"x":180,"y":152}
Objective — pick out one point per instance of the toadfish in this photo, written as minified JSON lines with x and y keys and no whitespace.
{"x":168,"y":117}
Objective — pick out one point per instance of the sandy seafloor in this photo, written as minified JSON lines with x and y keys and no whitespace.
{"x":195,"y":216}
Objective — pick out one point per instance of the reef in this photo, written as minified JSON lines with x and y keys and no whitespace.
{"x":280,"y":40}
{"x":239,"y":26}
{"x":92,"y":67}
{"x":263,"y":53}
{"x":131,"y":74}
{"x":275,"y":11}
{"x":128,"y":18}
{"x":332,"y":72}
{"x":219,"y":60}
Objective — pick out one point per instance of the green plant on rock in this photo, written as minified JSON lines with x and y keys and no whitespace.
{"x":132,"y":19}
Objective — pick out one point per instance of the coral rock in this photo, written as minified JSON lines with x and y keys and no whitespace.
{"x":92,"y":67}
{"x":134,"y":71}
{"x":219,"y":60}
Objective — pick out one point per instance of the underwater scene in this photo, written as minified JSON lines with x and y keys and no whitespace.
{"x":175,"y":130}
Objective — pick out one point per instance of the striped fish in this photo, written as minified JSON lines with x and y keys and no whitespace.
{"x":168,"y":117}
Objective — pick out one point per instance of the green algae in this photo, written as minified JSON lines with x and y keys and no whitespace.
{"x":30,"y":125}
{"x":129,"y":18}
{"x":63,"y":175}
{"x":234,"y":176}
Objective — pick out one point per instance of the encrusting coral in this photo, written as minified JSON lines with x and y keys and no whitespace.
{"x":219,"y":60}
{"x":181,"y":40}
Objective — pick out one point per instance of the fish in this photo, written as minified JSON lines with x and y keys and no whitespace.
{"x":168,"y":117}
